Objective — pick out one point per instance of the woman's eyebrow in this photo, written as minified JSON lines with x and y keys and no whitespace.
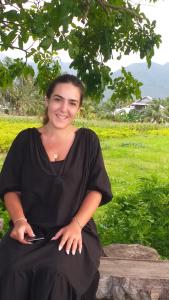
{"x":59,"y":96}
{"x":56,"y":95}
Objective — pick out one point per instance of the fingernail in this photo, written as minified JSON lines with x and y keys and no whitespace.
{"x":73,"y":252}
{"x":60,"y":248}
{"x":67,"y":251}
{"x":80,"y":251}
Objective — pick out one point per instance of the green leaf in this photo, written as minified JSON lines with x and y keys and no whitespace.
{"x":20,"y":42}
{"x":12,"y":15}
{"x":11,"y":36}
{"x":45,"y":44}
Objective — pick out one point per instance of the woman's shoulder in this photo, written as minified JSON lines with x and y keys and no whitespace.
{"x":23,"y":135}
{"x":90,"y":134}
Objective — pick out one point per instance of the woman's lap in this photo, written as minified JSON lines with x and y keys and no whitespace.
{"x":39,"y":271}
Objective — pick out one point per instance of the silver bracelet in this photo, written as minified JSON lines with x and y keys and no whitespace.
{"x":77,"y":221}
{"x":20,"y":219}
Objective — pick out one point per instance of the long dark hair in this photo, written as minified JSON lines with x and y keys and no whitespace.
{"x":65,"y":78}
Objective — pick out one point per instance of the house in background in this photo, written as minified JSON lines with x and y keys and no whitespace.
{"x":141,"y":103}
{"x":137,"y":105}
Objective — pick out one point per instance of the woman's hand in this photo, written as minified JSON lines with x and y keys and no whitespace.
{"x":21,"y":228}
{"x":71,"y":238}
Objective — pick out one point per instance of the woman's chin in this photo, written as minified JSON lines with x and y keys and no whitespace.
{"x":60,"y":124}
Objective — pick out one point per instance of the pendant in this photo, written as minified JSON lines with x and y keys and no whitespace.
{"x":55,"y":156}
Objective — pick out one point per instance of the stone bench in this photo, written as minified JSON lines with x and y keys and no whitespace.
{"x":133,"y":278}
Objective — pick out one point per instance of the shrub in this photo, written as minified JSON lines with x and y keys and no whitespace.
{"x":139,"y":217}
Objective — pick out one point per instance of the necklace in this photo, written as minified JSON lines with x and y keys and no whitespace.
{"x":55,"y":156}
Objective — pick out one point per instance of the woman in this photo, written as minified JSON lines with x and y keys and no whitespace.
{"x":52,"y":181}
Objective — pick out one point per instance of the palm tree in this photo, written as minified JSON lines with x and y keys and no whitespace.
{"x":154,"y":112}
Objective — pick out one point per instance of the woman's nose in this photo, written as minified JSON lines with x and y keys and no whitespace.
{"x":64,"y":106}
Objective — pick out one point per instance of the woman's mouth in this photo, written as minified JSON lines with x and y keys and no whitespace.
{"x":61,"y":117}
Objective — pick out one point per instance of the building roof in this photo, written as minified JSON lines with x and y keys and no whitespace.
{"x":143,"y":101}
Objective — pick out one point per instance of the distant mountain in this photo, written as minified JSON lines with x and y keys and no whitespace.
{"x":155,"y":80}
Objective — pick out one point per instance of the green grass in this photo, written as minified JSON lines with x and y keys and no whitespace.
{"x":130,"y":151}
{"x":127,"y":160}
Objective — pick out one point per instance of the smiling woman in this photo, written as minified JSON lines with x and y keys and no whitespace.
{"x":52,"y":181}
{"x":63,"y":105}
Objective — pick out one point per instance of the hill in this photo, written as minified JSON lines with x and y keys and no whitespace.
{"x":155,"y":80}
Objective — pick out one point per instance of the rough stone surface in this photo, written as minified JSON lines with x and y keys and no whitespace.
{"x":131,"y":251}
{"x":126,"y":279}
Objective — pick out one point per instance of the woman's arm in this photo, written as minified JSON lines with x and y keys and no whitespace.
{"x":15,"y":210}
{"x":13,"y":206}
{"x":70,"y":235}
{"x":88,"y":208}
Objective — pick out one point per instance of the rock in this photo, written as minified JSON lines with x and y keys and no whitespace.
{"x":131,"y":251}
{"x":127,"y":279}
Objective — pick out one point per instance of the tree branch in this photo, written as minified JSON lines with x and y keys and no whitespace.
{"x":17,"y":48}
{"x":106,"y":6}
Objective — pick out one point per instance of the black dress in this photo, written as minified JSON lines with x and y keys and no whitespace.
{"x":51,"y":194}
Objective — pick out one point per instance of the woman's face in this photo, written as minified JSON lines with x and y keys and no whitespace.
{"x":63,"y":105}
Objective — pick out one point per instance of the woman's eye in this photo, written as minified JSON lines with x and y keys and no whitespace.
{"x":73,"y":103}
{"x":57,"y":99}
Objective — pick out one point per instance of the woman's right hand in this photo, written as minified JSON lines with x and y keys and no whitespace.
{"x":20,"y":229}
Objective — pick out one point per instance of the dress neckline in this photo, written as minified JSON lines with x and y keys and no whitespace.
{"x":45,"y":152}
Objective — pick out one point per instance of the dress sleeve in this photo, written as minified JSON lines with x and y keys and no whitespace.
{"x":98,"y":178}
{"x":10,"y":176}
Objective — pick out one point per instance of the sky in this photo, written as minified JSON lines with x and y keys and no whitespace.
{"x":159,"y":12}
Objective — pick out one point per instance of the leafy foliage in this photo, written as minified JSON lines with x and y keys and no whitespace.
{"x":139,"y":217}
{"x":12,"y":69}
{"x":125,"y":88}
{"x":91,"y":31}
{"x":5,"y":217}
{"x":22,"y":97}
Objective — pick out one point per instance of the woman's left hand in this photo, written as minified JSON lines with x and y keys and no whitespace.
{"x":71,"y":238}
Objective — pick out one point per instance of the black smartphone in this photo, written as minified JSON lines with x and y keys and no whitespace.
{"x":34,"y":239}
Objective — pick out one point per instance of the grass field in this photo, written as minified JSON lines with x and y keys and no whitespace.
{"x":129,"y":159}
{"x":132,"y":152}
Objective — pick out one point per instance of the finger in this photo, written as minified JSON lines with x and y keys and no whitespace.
{"x":29,"y":231}
{"x":58,"y":234}
{"x":69,"y":245}
{"x":74,"y":247}
{"x":62,"y":242}
{"x":21,"y":234}
{"x":18,"y":238}
{"x":80,"y":246}
{"x":24,"y":242}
